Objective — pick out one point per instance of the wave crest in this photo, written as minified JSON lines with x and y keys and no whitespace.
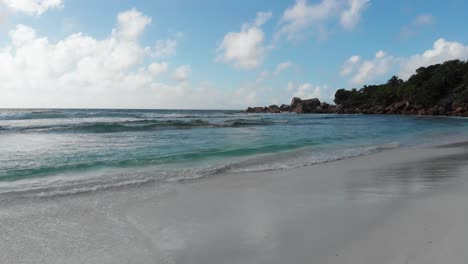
{"x":123,"y":175}
{"x":134,"y":125}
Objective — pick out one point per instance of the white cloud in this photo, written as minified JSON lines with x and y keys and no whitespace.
{"x":132,"y":24}
{"x":157,"y":69}
{"x":113,"y":72}
{"x":309,"y":91}
{"x":364,"y":71}
{"x":32,"y":7}
{"x":282,"y":67}
{"x":182,"y":73}
{"x":441,"y":51}
{"x":77,"y":58}
{"x":82,"y":71}
{"x":382,"y":64}
{"x":303,"y":17}
{"x":424,"y":19}
{"x":165,"y":48}
{"x":352,"y":16}
{"x":350,"y":65}
{"x":245,"y":49}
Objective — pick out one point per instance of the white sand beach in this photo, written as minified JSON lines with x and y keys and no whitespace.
{"x":397,"y":206}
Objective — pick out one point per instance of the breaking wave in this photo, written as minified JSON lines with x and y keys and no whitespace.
{"x":128,"y":173}
{"x":134,"y":125}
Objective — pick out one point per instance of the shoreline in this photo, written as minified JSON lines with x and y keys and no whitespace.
{"x":382,"y":208}
{"x":52,"y":192}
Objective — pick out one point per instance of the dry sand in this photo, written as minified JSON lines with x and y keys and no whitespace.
{"x":398,"y":206}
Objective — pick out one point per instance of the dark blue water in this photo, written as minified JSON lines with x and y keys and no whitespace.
{"x":67,"y":151}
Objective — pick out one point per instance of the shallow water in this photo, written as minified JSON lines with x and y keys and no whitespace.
{"x":48,"y":152}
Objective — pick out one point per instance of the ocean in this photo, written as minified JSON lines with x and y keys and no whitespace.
{"x":51,"y":152}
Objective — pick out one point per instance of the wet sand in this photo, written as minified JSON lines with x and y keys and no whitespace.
{"x":398,"y":206}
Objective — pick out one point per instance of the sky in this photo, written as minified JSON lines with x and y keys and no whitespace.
{"x":211,"y":54}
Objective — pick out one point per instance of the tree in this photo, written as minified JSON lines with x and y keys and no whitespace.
{"x":433,"y":85}
{"x":395,"y":81}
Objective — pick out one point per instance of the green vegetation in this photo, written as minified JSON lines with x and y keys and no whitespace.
{"x":443,"y":84}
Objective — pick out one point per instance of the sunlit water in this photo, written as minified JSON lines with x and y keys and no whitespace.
{"x":49,"y":152}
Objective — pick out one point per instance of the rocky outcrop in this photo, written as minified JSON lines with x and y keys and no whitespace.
{"x":297,"y":105}
{"x":257,"y":110}
{"x":274,"y":109}
{"x":314,"y":106}
{"x":404,"y":108}
{"x":305,"y":106}
{"x":295,"y":101}
{"x":285,"y":108}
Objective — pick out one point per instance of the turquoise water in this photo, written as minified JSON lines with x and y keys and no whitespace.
{"x":47,"y":152}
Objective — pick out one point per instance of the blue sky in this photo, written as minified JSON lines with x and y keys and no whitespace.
{"x":215,"y":54}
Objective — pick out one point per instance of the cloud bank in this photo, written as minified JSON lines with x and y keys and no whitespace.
{"x":361,"y":71}
{"x":302,"y":17}
{"x":32,"y":7}
{"x":114,"y":72}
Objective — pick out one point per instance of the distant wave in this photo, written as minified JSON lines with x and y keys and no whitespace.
{"x":141,"y":114}
{"x":89,"y":113}
{"x":249,"y":122}
{"x":113,"y":122}
{"x":136,"y":125}
{"x":31,"y":115}
{"x":58,"y":114}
